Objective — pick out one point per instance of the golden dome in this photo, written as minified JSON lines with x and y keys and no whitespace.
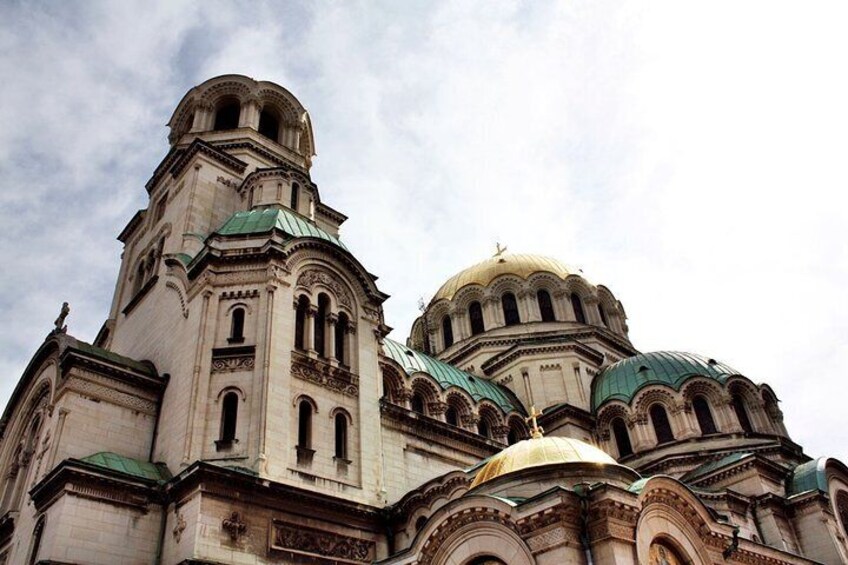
{"x":541,"y":451}
{"x":505,"y":264}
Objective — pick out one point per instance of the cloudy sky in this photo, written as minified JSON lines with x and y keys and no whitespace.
{"x":690,"y":156}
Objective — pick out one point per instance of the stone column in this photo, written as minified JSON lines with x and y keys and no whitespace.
{"x":437,"y":410}
{"x":590,"y":308}
{"x":470,"y":421}
{"x":249,"y":115}
{"x":492,"y":313}
{"x":500,"y":433}
{"x":203,"y":117}
{"x":330,"y":345}
{"x":309,"y":341}
{"x":685,"y":418}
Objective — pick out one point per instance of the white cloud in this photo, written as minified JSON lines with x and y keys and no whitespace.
{"x":689,"y":157}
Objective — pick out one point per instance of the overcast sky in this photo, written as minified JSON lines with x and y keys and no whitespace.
{"x":690,"y":156}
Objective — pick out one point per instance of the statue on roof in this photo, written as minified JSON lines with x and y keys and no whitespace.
{"x":59,"y":326}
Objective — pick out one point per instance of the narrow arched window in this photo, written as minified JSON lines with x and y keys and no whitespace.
{"x":447,"y":331}
{"x":704,"y":415}
{"x":227,"y":116}
{"x":304,"y":424}
{"x":340,"y":338}
{"x":300,"y":323}
{"x":512,"y":436}
{"x":662,"y":427}
{"x":577,"y":304}
{"x":546,"y":307}
{"x":451,"y":416}
{"x":418,"y":403}
{"x":622,"y":437}
{"x":475,"y":315}
{"x":229,"y":417}
{"x":37,"y":535}
{"x":269,"y":125}
{"x":341,"y":436}
{"x":237,"y":326}
{"x":295,"y":190}
{"x":483,"y":428}
{"x":603,"y":316}
{"x":741,"y":413}
{"x":140,"y":274}
{"x":510,"y":309}
{"x":321,"y":324}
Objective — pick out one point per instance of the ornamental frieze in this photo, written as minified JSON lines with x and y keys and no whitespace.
{"x":311,"y":277}
{"x":232,"y":364}
{"x":326,"y":376}
{"x":299,"y":540}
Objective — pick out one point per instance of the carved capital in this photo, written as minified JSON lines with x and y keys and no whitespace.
{"x":436,"y":408}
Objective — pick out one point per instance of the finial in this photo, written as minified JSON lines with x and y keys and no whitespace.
{"x":421,"y":305}
{"x":499,"y":250}
{"x":59,"y":326}
{"x":535,"y":430}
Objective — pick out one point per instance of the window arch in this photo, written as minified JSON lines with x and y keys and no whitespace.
{"x":741,"y":413}
{"x":577,"y":304}
{"x":704,"y":415}
{"x":140,"y":274}
{"x":295,"y":191}
{"x":452,"y":416}
{"x":483,"y":428}
{"x":510,"y":309}
{"x":229,"y":418}
{"x":321,"y":324}
{"x":418,"y":404}
{"x":342,"y":324}
{"x":475,"y":316}
{"x":300,"y":323}
{"x":447,"y":331}
{"x":603,"y":316}
{"x":662,"y":427}
{"x":622,"y":437}
{"x":237,"y":326}
{"x":341,"y":435}
{"x":227,"y":116}
{"x":304,"y":424}
{"x":269,"y":124}
{"x":546,"y":307}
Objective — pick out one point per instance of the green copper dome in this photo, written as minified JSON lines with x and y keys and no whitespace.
{"x":622,"y":380}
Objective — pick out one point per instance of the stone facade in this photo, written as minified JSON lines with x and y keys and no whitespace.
{"x":243,"y":402}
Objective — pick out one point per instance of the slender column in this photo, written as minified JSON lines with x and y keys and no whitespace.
{"x":309,"y":342}
{"x":330,"y":346}
{"x":195,"y":378}
{"x":266,"y":377}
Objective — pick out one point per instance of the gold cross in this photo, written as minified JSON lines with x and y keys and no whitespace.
{"x":535,"y":430}
{"x":499,"y":250}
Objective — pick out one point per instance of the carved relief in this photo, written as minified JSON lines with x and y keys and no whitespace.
{"x":299,"y":540}
{"x":234,"y":526}
{"x":179,"y":526}
{"x":311,"y":277}
{"x":102,"y":392}
{"x":231,"y":364}
{"x":326,"y":376}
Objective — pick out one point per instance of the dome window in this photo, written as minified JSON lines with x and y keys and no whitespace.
{"x":510,"y":309}
{"x":577,"y":304}
{"x":269,"y":125}
{"x":447,"y":331}
{"x":295,"y":189}
{"x":662,"y":427}
{"x":622,"y":437}
{"x":300,"y":323}
{"x":475,"y":315}
{"x":546,"y":307}
{"x":704,"y":415}
{"x":227,"y":116}
{"x":321,"y":324}
{"x":741,"y":413}
{"x":237,"y":326}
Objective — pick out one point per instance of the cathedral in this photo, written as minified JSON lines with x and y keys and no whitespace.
{"x":243,"y":402}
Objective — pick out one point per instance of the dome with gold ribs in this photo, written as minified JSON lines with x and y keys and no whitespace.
{"x":483,"y":273}
{"x":538,"y":452}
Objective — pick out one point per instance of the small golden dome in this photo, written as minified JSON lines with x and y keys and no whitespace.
{"x":541,"y":451}
{"x":504,"y":264}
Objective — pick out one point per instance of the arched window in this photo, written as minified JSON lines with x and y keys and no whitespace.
{"x":420,"y":523}
{"x":237,"y":326}
{"x":269,"y":124}
{"x":140,"y":273}
{"x":451,"y":416}
{"x":321,"y":324}
{"x":300,"y":323}
{"x":577,"y":304}
{"x":510,"y":309}
{"x":418,"y":403}
{"x":546,"y":307}
{"x":622,"y":437}
{"x":512,"y":436}
{"x":447,"y":331}
{"x":475,"y":315}
{"x":227,"y":116}
{"x":741,"y":413}
{"x":341,"y":436}
{"x":704,"y":415}
{"x":341,"y":337}
{"x":483,"y":428}
{"x":304,"y":424}
{"x":295,"y":190}
{"x":662,"y":427}
{"x":229,"y":417}
{"x":603,"y":316}
{"x":37,"y":535}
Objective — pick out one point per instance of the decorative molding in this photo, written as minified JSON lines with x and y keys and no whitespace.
{"x":176,"y":289}
{"x":325,"y":375}
{"x":234,"y":526}
{"x":454,"y":522}
{"x":240,"y":294}
{"x":102,"y":392}
{"x":313,"y":276}
{"x":299,"y":540}
{"x":231,"y":359}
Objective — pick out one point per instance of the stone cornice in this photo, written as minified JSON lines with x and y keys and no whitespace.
{"x":525,"y":348}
